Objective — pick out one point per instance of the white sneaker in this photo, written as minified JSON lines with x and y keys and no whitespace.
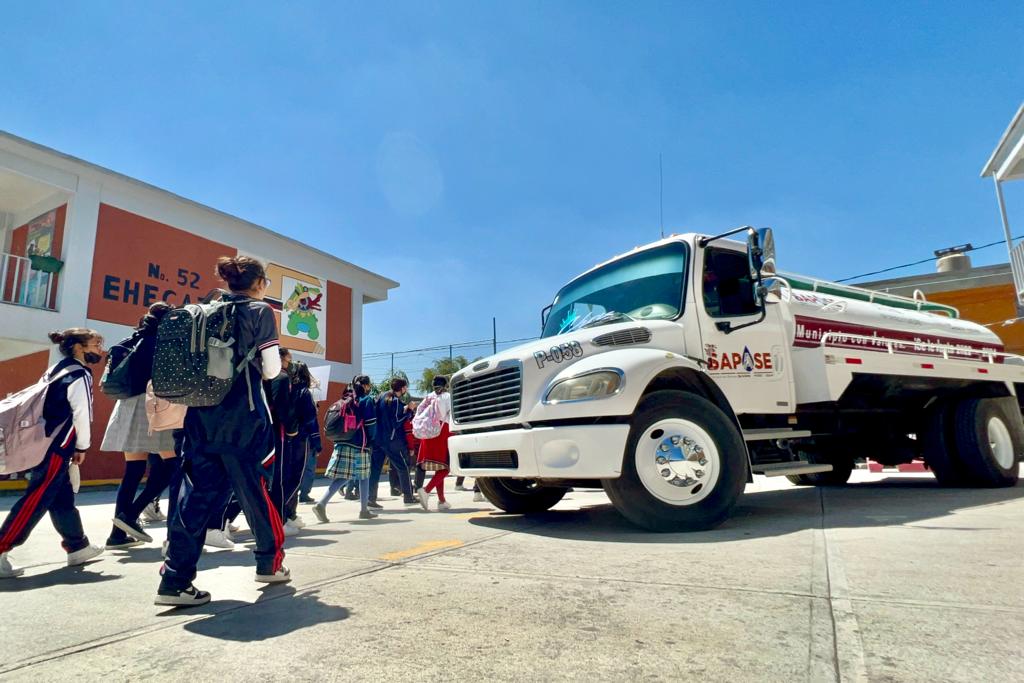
{"x":82,"y":556}
{"x":234,"y":528}
{"x":444,"y":505}
{"x":298,"y":522}
{"x":320,"y":513}
{"x":216,"y":538}
{"x":479,"y":498}
{"x":7,"y":570}
{"x":151,"y":513}
{"x":424,"y":497}
{"x":290,"y":529}
{"x":163,"y":550}
{"x":460,"y":487}
{"x":283,"y":575}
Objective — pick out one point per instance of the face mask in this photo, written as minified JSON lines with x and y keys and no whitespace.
{"x":92,"y":358}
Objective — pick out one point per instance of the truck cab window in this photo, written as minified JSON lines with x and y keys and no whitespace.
{"x":728,"y":287}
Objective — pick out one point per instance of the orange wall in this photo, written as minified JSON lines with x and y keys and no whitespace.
{"x":986,"y":305}
{"x":339,"y":313}
{"x":139,"y":261}
{"x":22,"y":371}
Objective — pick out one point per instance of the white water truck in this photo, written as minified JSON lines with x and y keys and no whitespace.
{"x":671,"y":374}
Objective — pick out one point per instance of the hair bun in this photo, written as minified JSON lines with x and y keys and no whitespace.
{"x":56,"y":337}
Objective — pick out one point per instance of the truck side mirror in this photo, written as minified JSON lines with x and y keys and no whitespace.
{"x":761,"y":253}
{"x":545,"y":312}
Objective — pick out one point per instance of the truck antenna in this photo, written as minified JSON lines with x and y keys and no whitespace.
{"x":661,"y":196}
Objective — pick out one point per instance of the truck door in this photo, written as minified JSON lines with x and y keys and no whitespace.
{"x":751,"y":365}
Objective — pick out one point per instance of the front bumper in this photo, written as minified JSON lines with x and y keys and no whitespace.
{"x":566,"y":452}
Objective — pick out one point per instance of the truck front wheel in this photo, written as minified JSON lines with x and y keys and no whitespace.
{"x":684,"y":467}
{"x":519,"y":496}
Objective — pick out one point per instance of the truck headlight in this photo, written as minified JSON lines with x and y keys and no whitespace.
{"x":586,"y":387}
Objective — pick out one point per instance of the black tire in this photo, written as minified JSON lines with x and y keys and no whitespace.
{"x":519,"y":496}
{"x":938,"y":447}
{"x":840,"y":474}
{"x":971,"y":424}
{"x":637,"y":504}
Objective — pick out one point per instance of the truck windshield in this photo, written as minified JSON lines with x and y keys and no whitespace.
{"x":643,"y":286}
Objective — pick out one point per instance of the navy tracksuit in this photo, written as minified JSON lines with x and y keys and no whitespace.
{"x":49,"y":487}
{"x":229,"y":448}
{"x":390,"y":443}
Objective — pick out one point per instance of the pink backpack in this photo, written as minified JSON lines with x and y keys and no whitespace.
{"x":23,"y":439}
{"x":426,"y":424}
{"x":163,"y":414}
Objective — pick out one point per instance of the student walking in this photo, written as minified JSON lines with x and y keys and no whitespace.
{"x":392,"y":415}
{"x":298,"y":445}
{"x":433,"y":453}
{"x":67,"y":411}
{"x":128,"y":431}
{"x":230,"y":446}
{"x":351,"y":459}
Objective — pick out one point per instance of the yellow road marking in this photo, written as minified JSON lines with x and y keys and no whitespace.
{"x":420,"y":549}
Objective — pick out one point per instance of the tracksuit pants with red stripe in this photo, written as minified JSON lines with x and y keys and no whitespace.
{"x":49,"y":490}
{"x":209,"y":479}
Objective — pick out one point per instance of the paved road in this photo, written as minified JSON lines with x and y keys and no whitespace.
{"x":887,"y":579}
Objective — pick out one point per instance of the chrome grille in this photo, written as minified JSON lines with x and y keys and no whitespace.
{"x":633,"y":335}
{"x":488,"y":397}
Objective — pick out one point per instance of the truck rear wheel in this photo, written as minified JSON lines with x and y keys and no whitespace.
{"x":684,"y":467}
{"x":989,"y":440}
{"x":938,"y":447}
{"x":519,"y":496}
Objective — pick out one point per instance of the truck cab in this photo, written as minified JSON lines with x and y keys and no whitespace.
{"x":669,"y":375}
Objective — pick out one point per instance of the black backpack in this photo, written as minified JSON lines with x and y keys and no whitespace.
{"x":194,"y":363}
{"x":129,"y":367}
{"x":342,"y":423}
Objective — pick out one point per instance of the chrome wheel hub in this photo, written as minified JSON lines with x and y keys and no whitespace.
{"x":677,"y":461}
{"x":1000,"y":443}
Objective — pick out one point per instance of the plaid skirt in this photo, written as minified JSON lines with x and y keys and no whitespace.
{"x":348,"y":462}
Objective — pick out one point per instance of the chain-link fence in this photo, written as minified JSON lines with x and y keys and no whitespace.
{"x":384,"y":364}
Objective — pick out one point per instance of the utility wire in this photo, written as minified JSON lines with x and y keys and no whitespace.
{"x":917,"y":263}
{"x":443,"y":347}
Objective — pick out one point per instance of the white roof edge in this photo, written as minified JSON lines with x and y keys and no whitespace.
{"x":387,"y":283}
{"x":991,"y":166}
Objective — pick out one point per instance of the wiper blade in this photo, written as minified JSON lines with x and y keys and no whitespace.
{"x":609,"y":317}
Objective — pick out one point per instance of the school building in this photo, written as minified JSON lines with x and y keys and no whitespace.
{"x":86,"y":246}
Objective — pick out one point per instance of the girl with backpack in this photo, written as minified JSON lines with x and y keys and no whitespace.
{"x":229,"y":446}
{"x":433,"y":453}
{"x":67,"y":410}
{"x":128,"y":431}
{"x":351,"y":459}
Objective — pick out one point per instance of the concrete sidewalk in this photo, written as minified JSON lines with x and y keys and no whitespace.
{"x":890,"y":578}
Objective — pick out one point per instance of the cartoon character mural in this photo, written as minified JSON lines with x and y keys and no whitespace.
{"x":301,"y":309}
{"x":300,"y":300}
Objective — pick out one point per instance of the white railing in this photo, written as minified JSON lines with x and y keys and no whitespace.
{"x":21,"y":285}
{"x":1017,"y":268}
{"x":917,"y":348}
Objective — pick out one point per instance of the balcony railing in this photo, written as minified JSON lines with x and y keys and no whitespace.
{"x":23,"y":286}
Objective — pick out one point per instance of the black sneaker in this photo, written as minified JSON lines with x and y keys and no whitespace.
{"x":351,"y":495}
{"x":187,"y":597}
{"x":375,"y":505}
{"x":366,"y":514}
{"x":306,"y":499}
{"x":395,"y":492}
{"x":119,"y":540}
{"x":132,"y":528}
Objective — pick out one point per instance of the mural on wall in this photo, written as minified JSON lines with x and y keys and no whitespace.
{"x":300,"y":299}
{"x":39,"y":243}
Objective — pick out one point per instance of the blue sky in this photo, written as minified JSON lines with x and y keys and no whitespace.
{"x":482,"y":153}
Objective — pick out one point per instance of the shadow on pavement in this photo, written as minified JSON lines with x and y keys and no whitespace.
{"x":765,"y":514}
{"x":62,"y":576}
{"x":268,"y":617}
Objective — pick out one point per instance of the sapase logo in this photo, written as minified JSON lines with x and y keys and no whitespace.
{"x":739,"y":363}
